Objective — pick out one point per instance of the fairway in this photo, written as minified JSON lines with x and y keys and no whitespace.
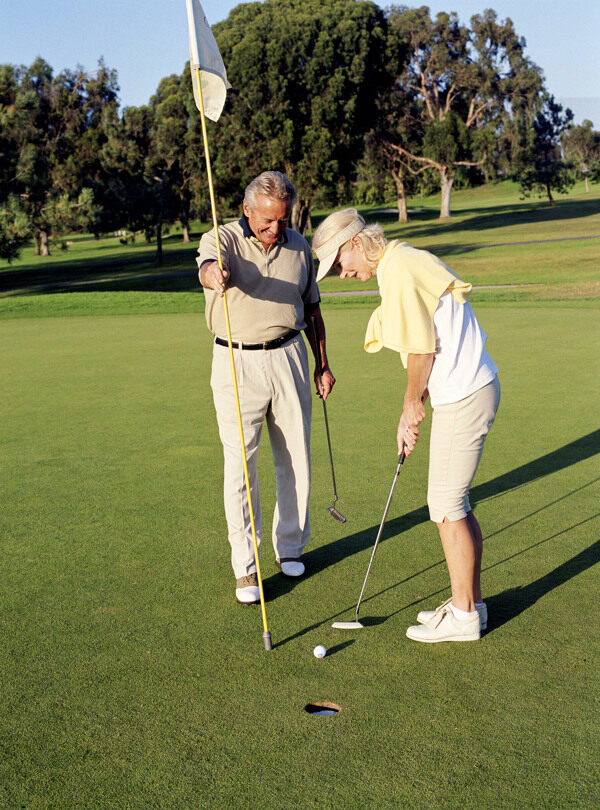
{"x":132,"y":679}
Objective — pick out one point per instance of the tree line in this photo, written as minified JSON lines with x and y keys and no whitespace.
{"x":352,"y":102}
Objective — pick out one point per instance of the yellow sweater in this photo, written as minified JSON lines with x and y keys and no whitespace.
{"x":411,"y":283}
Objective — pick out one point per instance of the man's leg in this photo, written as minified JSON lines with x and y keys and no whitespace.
{"x":288,"y":421}
{"x":253,"y":395}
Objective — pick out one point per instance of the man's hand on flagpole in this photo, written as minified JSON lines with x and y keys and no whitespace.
{"x":213,"y":278}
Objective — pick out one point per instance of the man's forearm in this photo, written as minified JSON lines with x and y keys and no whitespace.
{"x":316,"y":335}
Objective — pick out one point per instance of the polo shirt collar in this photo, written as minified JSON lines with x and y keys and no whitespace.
{"x":248,"y":232}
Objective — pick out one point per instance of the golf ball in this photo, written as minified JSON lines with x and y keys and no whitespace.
{"x":319,"y":651}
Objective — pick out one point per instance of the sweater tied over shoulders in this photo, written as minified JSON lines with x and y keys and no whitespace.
{"x":411,"y":283}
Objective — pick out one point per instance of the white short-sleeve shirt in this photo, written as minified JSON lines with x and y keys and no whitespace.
{"x":462,"y":364}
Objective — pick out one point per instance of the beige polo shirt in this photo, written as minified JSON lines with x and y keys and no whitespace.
{"x":267,"y":291}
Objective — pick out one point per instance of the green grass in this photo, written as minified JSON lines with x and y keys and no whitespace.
{"x":131,"y":678}
{"x":523,"y":233}
{"x":495,"y":215}
{"x":125,"y":302}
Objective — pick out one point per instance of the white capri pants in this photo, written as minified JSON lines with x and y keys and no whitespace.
{"x":273,"y":386}
{"x":458,"y":431}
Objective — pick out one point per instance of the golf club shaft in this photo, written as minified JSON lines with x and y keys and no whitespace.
{"x":401,"y":458}
{"x":320,"y":372}
{"x":335,"y":496}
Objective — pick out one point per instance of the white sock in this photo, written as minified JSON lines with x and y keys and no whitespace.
{"x":462,"y":615}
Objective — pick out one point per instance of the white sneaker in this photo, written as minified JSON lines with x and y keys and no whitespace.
{"x":445,"y":627}
{"x":427,"y":615}
{"x":246,"y":591}
{"x":290,"y":567}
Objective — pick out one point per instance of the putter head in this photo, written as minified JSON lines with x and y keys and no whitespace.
{"x":347,"y":625}
{"x":336,"y":515}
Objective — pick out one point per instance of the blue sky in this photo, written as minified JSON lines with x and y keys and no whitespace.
{"x":145,"y":40}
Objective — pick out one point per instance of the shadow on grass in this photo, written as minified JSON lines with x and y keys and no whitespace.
{"x":338,"y":648}
{"x":499,"y":602}
{"x":502,"y":607}
{"x":510,"y":603}
{"x":500,"y":216}
{"x":332,"y":553}
{"x":319,"y":559}
{"x":132,"y":269}
{"x":101,"y":272}
{"x":425,"y":221}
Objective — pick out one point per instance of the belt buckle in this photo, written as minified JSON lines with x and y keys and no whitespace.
{"x":265,"y":345}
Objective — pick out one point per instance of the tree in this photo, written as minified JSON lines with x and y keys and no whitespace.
{"x":50,"y":136}
{"x":14,"y":227}
{"x":26,"y":126}
{"x":167,"y":162}
{"x":305,"y":75}
{"x":397,"y":115}
{"x":581,"y":146}
{"x":78,"y":104}
{"x":124,"y":158}
{"x":458,"y":84}
{"x":373,"y":183}
{"x":397,"y":167}
{"x":540,"y":166}
{"x":98,"y":103}
{"x":144,"y":155}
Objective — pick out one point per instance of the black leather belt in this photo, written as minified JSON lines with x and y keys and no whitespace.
{"x":269,"y":344}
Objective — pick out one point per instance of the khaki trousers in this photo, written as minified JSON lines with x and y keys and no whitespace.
{"x":458,"y":431}
{"x":274,"y":386}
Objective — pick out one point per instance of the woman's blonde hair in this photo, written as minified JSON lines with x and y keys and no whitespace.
{"x":371,"y":236}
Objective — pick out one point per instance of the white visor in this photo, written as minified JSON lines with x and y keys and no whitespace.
{"x":327,"y":252}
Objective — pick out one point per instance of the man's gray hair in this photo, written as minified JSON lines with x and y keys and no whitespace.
{"x":270,"y":184}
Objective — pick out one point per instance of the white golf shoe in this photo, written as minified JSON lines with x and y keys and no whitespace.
{"x":444,"y":626}
{"x":246,"y":590}
{"x":427,"y":615}
{"x":290,"y":567}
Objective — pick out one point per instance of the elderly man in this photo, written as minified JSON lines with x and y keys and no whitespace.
{"x":272,"y":296}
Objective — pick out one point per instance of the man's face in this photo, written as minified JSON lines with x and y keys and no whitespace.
{"x":268,"y":218}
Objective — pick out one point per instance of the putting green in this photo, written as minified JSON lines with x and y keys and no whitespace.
{"x":133,"y":679}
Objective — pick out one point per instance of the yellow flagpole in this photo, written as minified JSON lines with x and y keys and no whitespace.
{"x":266,"y":633}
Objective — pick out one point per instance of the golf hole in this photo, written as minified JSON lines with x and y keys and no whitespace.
{"x":323,"y":708}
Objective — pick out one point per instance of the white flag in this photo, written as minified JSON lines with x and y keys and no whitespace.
{"x":204,"y":54}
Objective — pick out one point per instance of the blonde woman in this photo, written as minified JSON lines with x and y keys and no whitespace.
{"x":426,"y":317}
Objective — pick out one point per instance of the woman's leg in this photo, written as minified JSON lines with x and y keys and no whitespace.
{"x":475,"y":530}
{"x":462,"y":544}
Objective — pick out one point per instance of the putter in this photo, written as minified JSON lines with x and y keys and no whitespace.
{"x":335,"y":513}
{"x":356,"y":625}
